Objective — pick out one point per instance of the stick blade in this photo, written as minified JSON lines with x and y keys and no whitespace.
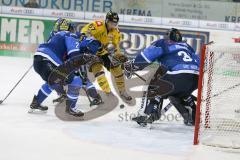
{"x":1,"y":101}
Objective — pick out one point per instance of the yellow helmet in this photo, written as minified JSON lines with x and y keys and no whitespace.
{"x":63,"y":24}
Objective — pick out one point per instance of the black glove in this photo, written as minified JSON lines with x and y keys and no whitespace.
{"x":120,"y":57}
{"x":129,"y":69}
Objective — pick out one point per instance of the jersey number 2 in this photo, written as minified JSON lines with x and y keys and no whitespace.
{"x":186,"y":57}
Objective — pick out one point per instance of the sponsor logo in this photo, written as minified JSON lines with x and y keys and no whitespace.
{"x":99,"y":23}
{"x":135,"y":12}
{"x":21,"y":11}
{"x":98,"y":16}
{"x":236,"y":40}
{"x":234,"y":19}
{"x":136,"y":39}
{"x":63,"y":14}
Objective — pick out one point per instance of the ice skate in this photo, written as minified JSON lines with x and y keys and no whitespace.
{"x":141,"y":120}
{"x":96,"y":101}
{"x":35,"y":107}
{"x":125,"y":97}
{"x":74,"y":111}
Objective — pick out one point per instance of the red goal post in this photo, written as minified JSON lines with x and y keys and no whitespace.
{"x":218,"y":105}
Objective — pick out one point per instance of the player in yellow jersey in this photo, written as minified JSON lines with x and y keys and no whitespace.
{"x":108,"y":34}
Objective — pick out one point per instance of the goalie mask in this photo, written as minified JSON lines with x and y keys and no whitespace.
{"x":174,"y":35}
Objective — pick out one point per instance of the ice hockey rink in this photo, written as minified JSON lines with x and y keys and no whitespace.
{"x":44,"y":136}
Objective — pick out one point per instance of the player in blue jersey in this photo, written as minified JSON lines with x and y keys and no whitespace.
{"x":60,"y":47}
{"x":178,"y":68}
{"x":94,"y":97}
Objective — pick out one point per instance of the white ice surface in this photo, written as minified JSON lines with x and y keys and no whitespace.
{"x":26,"y":136}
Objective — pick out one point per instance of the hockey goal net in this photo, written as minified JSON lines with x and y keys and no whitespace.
{"x":218,"y":106}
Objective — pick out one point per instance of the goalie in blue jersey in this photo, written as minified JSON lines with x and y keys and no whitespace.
{"x":175,"y":79}
{"x":61,"y":47}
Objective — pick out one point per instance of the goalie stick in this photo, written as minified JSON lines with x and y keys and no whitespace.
{"x":1,"y":101}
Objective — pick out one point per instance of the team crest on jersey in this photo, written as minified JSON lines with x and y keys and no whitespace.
{"x":99,"y":23}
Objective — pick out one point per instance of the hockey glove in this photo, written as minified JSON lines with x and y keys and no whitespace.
{"x":129,"y":69}
{"x":120,"y":57}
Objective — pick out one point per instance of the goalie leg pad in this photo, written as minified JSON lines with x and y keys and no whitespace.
{"x":185,"y":112}
{"x":154,"y":105}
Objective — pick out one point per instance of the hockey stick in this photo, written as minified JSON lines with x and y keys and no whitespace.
{"x":84,"y":87}
{"x":134,"y":73}
{"x":140,"y":77}
{"x":1,"y":101}
{"x":87,"y":95}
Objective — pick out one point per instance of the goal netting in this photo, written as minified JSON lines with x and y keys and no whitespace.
{"x":218,"y":111}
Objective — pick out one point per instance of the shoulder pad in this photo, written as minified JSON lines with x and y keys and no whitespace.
{"x":158,"y":42}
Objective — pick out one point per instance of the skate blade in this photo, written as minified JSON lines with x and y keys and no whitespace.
{"x":96,"y":104}
{"x":146,"y":125}
{"x":143,"y":125}
{"x":37,"y":111}
{"x":58,"y":100}
{"x":127,"y":101}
